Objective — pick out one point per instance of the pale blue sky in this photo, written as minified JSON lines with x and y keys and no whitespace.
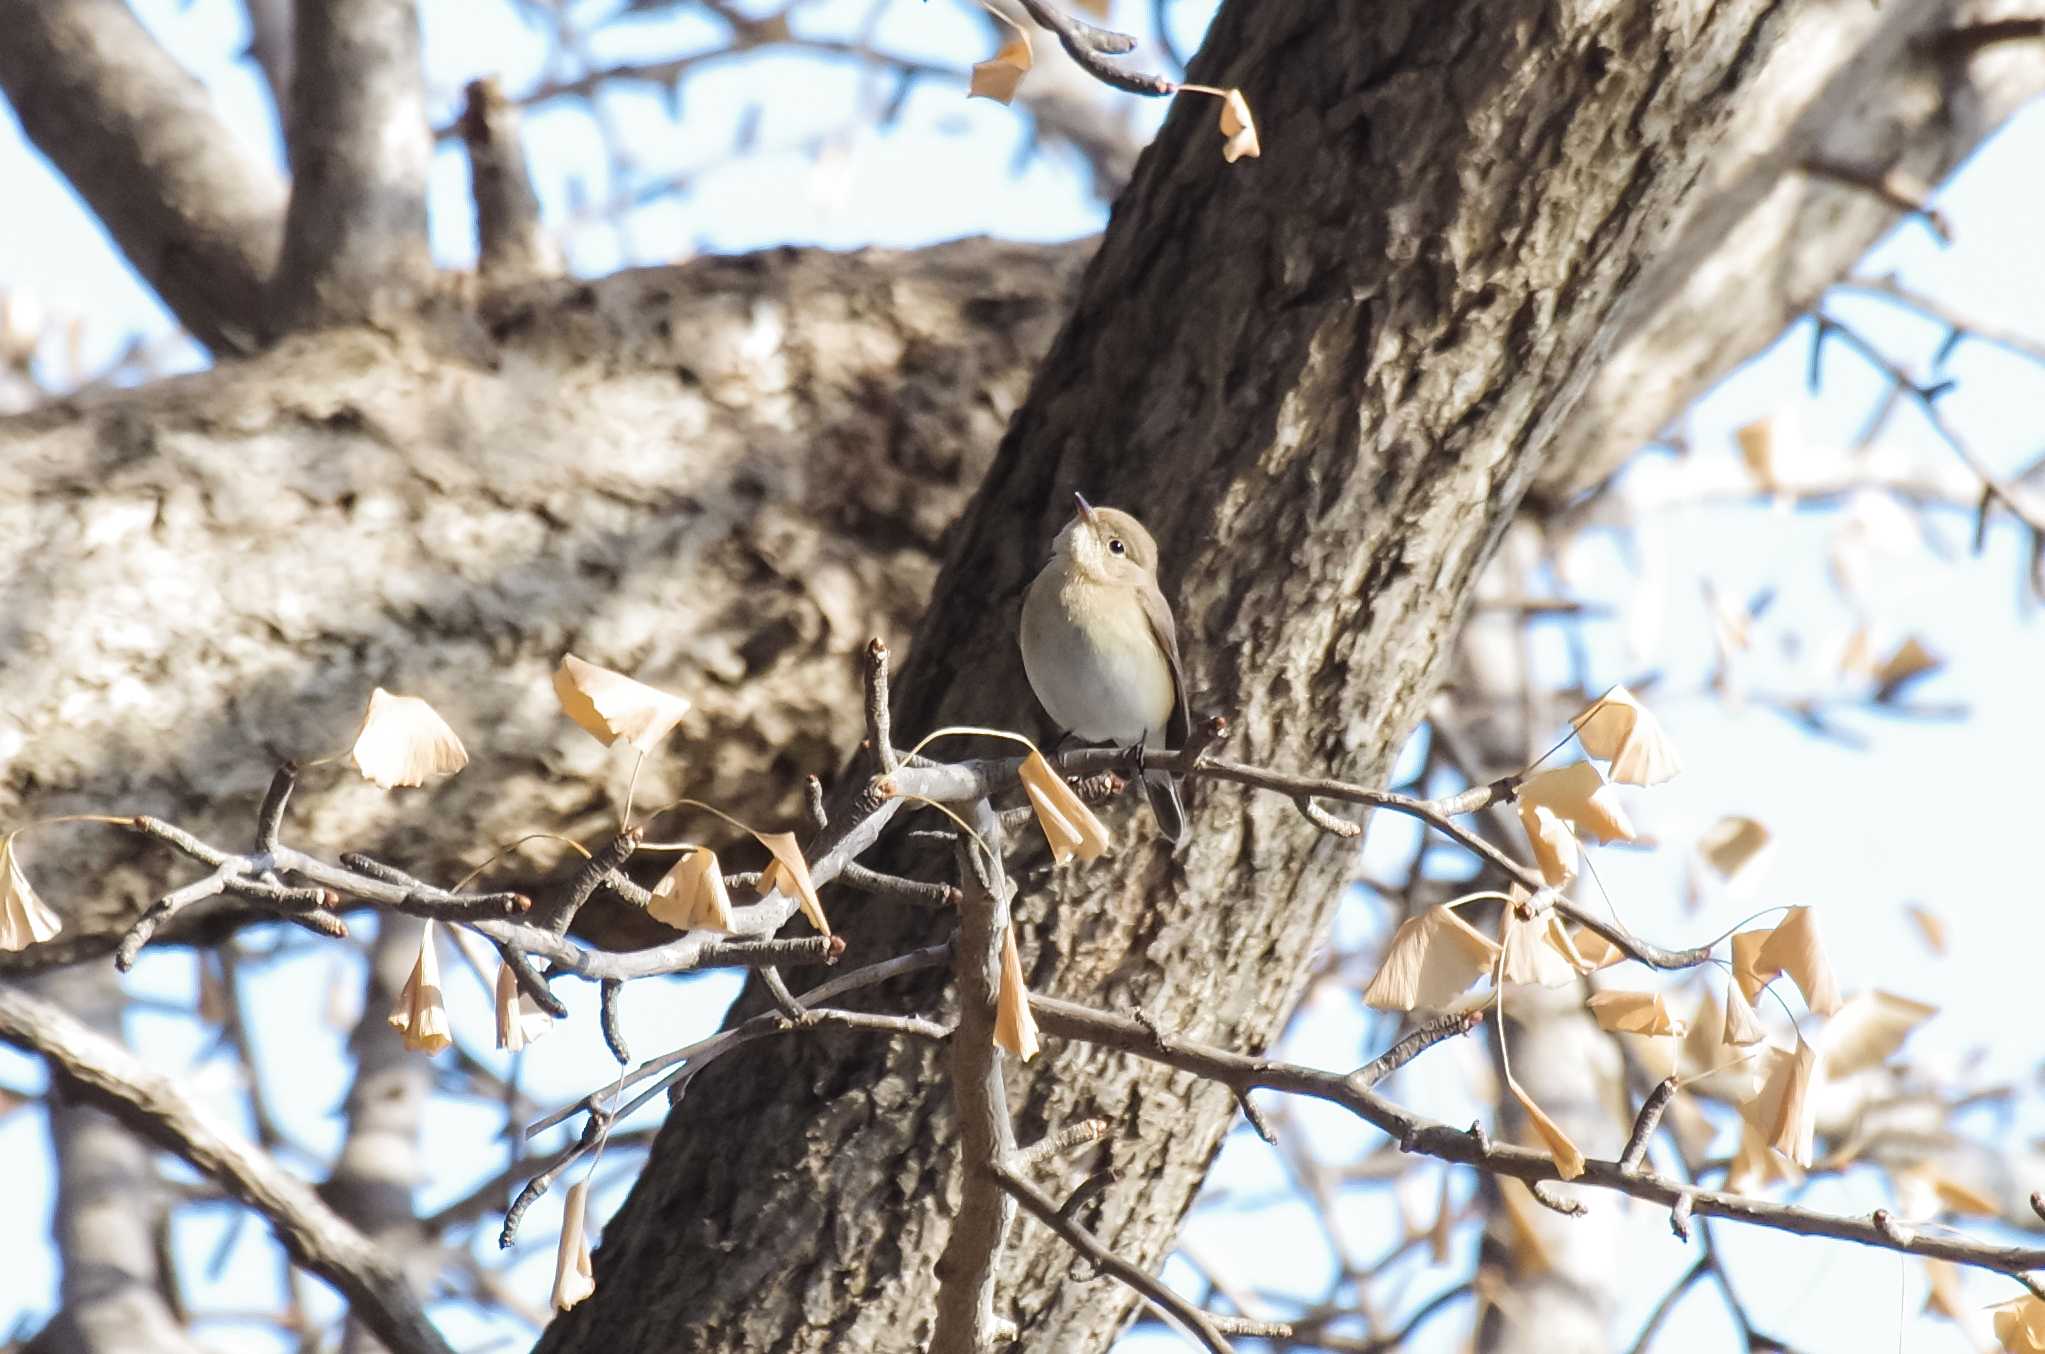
{"x":1936,"y":813}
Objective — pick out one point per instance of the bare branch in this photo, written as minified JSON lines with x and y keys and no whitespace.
{"x":511,"y":247}
{"x":151,"y":1105}
{"x":355,"y":233}
{"x":136,"y":136}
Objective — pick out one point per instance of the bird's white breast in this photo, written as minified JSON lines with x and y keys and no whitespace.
{"x":1093,"y":662}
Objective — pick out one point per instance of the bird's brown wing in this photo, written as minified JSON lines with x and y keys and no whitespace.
{"x":1159,"y":614}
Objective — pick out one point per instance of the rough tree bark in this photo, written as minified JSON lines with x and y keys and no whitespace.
{"x":1374,"y":334}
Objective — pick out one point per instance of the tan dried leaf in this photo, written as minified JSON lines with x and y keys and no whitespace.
{"x":1555,"y":848}
{"x":1750,"y":962}
{"x":402,"y":741}
{"x":1635,"y":1013}
{"x":1742,"y":1026}
{"x":1867,"y":1030}
{"x":1432,"y":959}
{"x":1910,"y":661}
{"x":2020,"y":1325}
{"x":1618,"y":729}
{"x":520,"y":1020}
{"x":1239,"y":129}
{"x":1732,"y":844}
{"x":1757,"y":449}
{"x":1755,"y":1167}
{"x":420,"y":1012}
{"x":1929,"y":925}
{"x":1539,"y":951}
{"x":1596,"y":951}
{"x":1795,"y":948}
{"x":691,"y":896}
{"x":1068,"y":824}
{"x":1784,"y":1111}
{"x":790,"y":874}
{"x":25,"y":919}
{"x":1015,"y":1029}
{"x":574,"y":1276}
{"x":1578,"y":795}
{"x":1942,"y":1290}
{"x":997,"y":77}
{"x":611,"y":707}
{"x":1923,"y":1191}
{"x":1568,"y":1160}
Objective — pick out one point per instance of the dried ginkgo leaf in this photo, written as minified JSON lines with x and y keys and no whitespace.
{"x":1757,"y":448}
{"x":1732,"y":844}
{"x":1794,"y":948}
{"x":997,"y":77}
{"x":1742,"y":1026}
{"x":1555,"y":848}
{"x":1578,"y":795}
{"x":1910,"y":661}
{"x":1924,"y":1191}
{"x":420,"y":1012}
{"x":1595,"y":950}
{"x":1751,"y":969}
{"x":1539,"y":951}
{"x":1929,"y":924}
{"x":692,"y":896}
{"x":1015,"y":1029}
{"x":1755,"y":1167}
{"x":1239,"y":129}
{"x":25,"y":919}
{"x":403,"y":740}
{"x":790,"y":874}
{"x":2020,"y":1325}
{"x":1068,"y":824}
{"x":1568,"y":1160}
{"x":1784,"y":1111}
{"x":1635,"y":1013}
{"x":519,"y":1018}
{"x":1867,"y":1029}
{"x":1432,"y":959}
{"x":574,"y":1276}
{"x":611,"y":707}
{"x":1618,"y":729}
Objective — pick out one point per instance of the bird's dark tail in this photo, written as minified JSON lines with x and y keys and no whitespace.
{"x":1162,"y":790}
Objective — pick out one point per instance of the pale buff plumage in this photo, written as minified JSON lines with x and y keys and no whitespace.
{"x":1100,"y":648}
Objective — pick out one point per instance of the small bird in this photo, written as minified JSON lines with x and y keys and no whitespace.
{"x":1101,"y":651}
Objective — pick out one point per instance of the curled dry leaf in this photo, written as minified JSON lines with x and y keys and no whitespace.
{"x":1867,"y":1030}
{"x":403,"y":740}
{"x":1555,"y":849}
{"x":1794,"y":948}
{"x":1710,"y":1064}
{"x":2020,"y":1325}
{"x":1238,"y":128}
{"x":1732,"y":844}
{"x":1568,"y":1160}
{"x":790,"y":874}
{"x":574,"y":1276}
{"x":1924,"y":1191}
{"x":25,"y":919}
{"x":420,"y":1012}
{"x":1539,"y":951}
{"x":1578,"y":795}
{"x":1618,"y":729}
{"x":1742,"y":1026}
{"x":1929,"y":924}
{"x":1068,"y":824}
{"x":1015,"y":1029}
{"x":520,"y":1020}
{"x":1594,"y":949}
{"x":610,"y":706}
{"x":997,"y":77}
{"x":1635,"y":1013}
{"x":1784,"y":1110}
{"x":1749,"y":965}
{"x":1910,"y":662}
{"x":1755,"y":1167}
{"x":1432,"y":959}
{"x":1757,"y":448}
{"x":692,"y":896}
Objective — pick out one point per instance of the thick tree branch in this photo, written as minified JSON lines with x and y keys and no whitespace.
{"x":150,"y":1104}
{"x":355,"y":233}
{"x":196,"y":214}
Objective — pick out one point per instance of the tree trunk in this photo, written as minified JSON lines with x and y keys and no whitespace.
{"x":1324,"y":380}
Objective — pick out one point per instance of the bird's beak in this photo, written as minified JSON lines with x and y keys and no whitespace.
{"x":1086,"y":509}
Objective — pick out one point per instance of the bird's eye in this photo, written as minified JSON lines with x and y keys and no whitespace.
{"x":1115,"y":547}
